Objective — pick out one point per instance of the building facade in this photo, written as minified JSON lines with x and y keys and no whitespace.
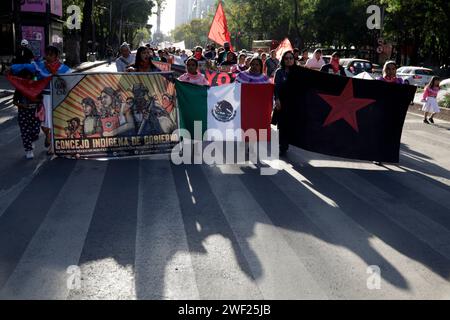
{"x":187,"y":10}
{"x":38,"y":21}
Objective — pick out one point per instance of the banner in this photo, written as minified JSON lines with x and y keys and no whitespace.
{"x":215,"y":78}
{"x":228,"y":107}
{"x":345,"y":117}
{"x":163,"y":66}
{"x":113,"y":115}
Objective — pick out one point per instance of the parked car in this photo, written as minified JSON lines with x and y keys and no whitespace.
{"x":415,"y":76}
{"x":377,"y":70}
{"x":444,"y":93}
{"x":354,"y":67}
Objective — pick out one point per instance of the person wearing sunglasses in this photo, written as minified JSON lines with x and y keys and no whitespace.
{"x":334,"y":67}
{"x":287,"y":65}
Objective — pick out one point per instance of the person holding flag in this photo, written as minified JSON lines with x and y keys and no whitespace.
{"x":29,"y":122}
{"x":219,"y":33}
{"x":192,"y":75}
{"x":287,"y":65}
{"x":46,"y":68}
{"x":254,"y":74}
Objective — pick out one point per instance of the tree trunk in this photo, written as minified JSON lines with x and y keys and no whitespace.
{"x":72,"y":49}
{"x":299,"y":43}
{"x":86,"y":29}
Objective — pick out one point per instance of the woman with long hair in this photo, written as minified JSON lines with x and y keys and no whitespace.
{"x":192,"y":74}
{"x":143,"y":62}
{"x":254,"y":74}
{"x":287,"y":64}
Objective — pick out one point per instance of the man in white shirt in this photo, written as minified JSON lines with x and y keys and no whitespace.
{"x":316,"y":62}
{"x":125,"y":58}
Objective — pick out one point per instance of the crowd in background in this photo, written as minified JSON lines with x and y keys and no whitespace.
{"x":250,"y":67}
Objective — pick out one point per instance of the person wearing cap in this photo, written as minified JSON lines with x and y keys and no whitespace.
{"x":24,"y":54}
{"x":125,"y":59}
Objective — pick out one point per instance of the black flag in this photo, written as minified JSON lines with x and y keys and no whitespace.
{"x":345,"y":117}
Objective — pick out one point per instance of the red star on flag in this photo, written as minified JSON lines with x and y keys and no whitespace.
{"x":345,"y":106}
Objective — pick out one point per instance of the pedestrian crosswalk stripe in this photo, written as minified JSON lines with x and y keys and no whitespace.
{"x":42,"y":270}
{"x":163,"y":266}
{"x":270,"y":262}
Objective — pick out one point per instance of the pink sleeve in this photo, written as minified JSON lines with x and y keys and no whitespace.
{"x":183,"y":77}
{"x":426,"y":94}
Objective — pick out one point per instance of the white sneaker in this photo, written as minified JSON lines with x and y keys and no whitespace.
{"x":29,"y":154}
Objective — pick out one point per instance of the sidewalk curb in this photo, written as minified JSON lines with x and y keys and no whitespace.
{"x":95,"y":65}
{"x":417,"y":109}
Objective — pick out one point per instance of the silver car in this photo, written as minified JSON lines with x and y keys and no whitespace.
{"x":415,"y":76}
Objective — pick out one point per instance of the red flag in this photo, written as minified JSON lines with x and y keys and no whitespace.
{"x":284,"y":46}
{"x":29,"y":88}
{"x":219,"y":28}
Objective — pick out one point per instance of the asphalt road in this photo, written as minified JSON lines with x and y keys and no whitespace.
{"x":148,"y":229}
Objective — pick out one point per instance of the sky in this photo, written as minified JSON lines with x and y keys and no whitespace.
{"x":167,"y":18}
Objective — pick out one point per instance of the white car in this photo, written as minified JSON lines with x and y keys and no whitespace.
{"x":415,"y":76}
{"x":445,"y":89}
{"x":353,"y":67}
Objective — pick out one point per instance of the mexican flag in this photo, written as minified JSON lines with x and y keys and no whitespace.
{"x":233,"y":106}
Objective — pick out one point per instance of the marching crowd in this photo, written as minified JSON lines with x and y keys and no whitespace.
{"x":254,"y":68}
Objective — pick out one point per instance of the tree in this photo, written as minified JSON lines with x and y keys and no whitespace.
{"x":101,"y":22}
{"x":86,"y":29}
{"x":194,"y":33}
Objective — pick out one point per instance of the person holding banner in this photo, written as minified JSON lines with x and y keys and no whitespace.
{"x":287,"y":64}
{"x":47,"y":67}
{"x":143,"y":62}
{"x":193,"y":75}
{"x":254,"y":74}
{"x":29,"y":123}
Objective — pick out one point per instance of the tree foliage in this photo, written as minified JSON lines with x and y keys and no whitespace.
{"x":193,"y":33}
{"x":419,"y":28}
{"x":103,"y":23}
